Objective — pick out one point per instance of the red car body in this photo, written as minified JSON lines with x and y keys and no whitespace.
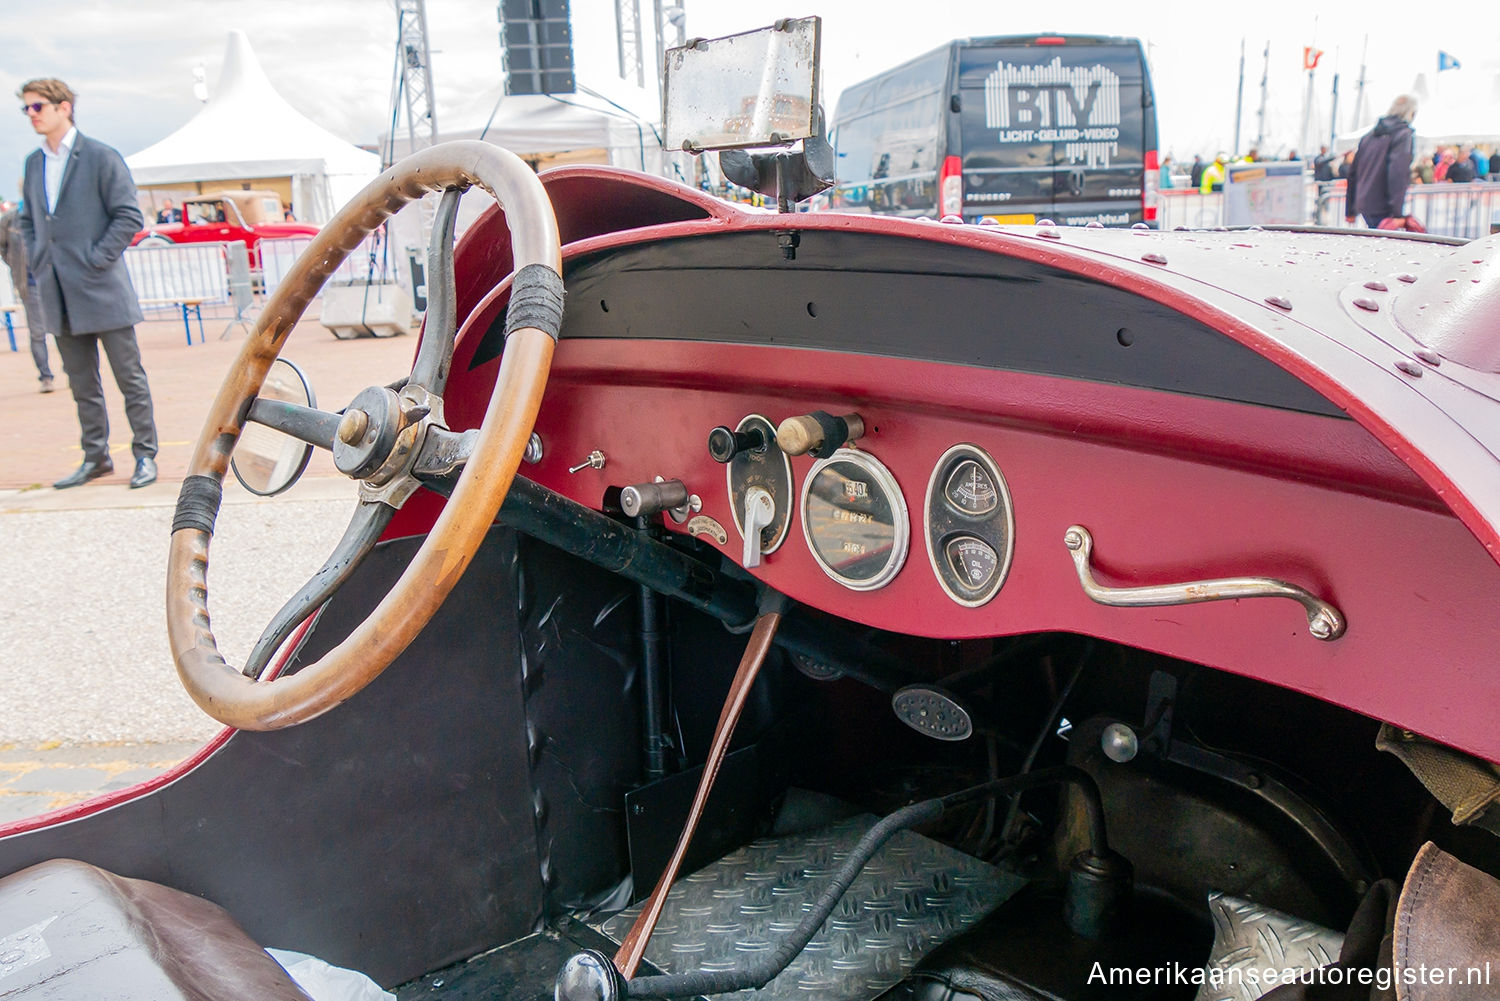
{"x":226,"y":217}
{"x":1312,"y":412}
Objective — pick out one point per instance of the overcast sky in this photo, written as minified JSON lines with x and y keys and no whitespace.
{"x":132,"y":62}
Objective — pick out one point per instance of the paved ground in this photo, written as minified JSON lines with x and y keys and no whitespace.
{"x":91,"y":702}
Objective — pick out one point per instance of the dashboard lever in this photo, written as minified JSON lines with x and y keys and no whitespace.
{"x":760,"y":511}
{"x":819,"y":432}
{"x":1324,"y":621}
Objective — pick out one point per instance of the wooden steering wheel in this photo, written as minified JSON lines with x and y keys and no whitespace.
{"x":388,"y":439}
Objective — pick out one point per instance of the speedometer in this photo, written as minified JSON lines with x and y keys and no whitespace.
{"x":855,"y":519}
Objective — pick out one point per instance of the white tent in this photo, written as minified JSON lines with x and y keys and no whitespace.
{"x":546,"y":131}
{"x":1463,"y":106}
{"x":247,"y":132}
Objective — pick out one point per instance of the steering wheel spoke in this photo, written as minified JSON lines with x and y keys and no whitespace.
{"x":306,"y":424}
{"x":435,"y":356}
{"x":369,"y":520}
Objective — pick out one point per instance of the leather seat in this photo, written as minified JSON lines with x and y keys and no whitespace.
{"x":73,"y":930}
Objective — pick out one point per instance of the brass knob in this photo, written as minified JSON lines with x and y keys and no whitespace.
{"x":353,"y":427}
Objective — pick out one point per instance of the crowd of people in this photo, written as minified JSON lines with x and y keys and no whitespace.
{"x":1456,"y":164}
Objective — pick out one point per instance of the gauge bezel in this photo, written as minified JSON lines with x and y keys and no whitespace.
{"x":968,"y":524}
{"x":900,"y":517}
{"x":786,"y":467}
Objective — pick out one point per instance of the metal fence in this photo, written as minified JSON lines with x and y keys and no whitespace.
{"x":1467,"y":211}
{"x":368,"y":259}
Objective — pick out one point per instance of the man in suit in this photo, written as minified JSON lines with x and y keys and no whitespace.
{"x":80,"y":215}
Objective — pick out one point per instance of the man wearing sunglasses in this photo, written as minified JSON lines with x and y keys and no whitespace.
{"x":80,"y":215}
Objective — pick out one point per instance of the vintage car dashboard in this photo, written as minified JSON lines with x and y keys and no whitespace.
{"x":1033,"y":438}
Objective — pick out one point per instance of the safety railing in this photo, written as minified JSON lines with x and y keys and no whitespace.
{"x":278,"y":255}
{"x":201,"y":280}
{"x":1467,"y":211}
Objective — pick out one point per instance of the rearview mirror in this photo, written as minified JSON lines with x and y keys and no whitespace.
{"x":267,"y":461}
{"x":758,"y":88}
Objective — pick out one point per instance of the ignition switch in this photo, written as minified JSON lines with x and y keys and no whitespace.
{"x":819,"y":433}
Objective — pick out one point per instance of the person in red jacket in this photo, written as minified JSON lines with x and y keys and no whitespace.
{"x":1381,"y":170}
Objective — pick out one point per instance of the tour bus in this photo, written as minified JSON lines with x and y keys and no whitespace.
{"x":1012,"y":128}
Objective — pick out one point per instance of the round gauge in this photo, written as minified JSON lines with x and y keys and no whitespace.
{"x":855,"y":519}
{"x":970,"y":525}
{"x":971,"y":490}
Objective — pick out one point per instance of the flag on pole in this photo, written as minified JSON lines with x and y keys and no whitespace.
{"x":1310,"y":57}
{"x":1447,"y":62}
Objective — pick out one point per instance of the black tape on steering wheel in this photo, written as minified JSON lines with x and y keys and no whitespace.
{"x":198,"y":504}
{"x":536,"y":300}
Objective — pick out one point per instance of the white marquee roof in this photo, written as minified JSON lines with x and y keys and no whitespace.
{"x":248,"y":130}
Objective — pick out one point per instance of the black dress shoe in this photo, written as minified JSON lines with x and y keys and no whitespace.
{"x":90,"y":470}
{"x":145,"y":472}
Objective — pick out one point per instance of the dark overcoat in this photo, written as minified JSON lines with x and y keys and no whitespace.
{"x":82,"y":243}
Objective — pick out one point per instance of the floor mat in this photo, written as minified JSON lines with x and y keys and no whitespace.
{"x":913,"y":895}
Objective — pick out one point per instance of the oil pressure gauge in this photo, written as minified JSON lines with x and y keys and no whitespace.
{"x":970,"y":525}
{"x":855,"y":519}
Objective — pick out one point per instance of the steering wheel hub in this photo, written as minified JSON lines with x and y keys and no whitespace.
{"x":369,"y":431}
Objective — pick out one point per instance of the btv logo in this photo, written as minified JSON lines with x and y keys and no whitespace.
{"x":1051,"y":96}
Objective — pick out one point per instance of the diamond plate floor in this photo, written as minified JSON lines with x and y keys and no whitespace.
{"x":913,"y":895}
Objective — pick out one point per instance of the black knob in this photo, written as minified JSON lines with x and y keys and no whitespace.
{"x":724,"y":444}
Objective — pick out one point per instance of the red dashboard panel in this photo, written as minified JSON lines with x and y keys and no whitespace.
{"x":1160,"y":512}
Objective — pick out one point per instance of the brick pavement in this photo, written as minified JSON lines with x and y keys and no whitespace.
{"x":35,"y":778}
{"x":39,"y":443}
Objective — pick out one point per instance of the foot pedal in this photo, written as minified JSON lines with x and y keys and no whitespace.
{"x":932,"y":710}
{"x":912,"y":896}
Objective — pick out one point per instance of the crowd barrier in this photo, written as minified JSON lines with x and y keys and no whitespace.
{"x":1466,"y":211}
{"x":277,"y":257}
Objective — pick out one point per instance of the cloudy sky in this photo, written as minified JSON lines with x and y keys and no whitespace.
{"x":132,"y":62}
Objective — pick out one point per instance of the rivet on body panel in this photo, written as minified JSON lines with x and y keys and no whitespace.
{"x":1411,"y":368}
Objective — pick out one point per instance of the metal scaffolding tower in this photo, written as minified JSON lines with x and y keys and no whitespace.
{"x":628,"y":33}
{"x":413,"y":84}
